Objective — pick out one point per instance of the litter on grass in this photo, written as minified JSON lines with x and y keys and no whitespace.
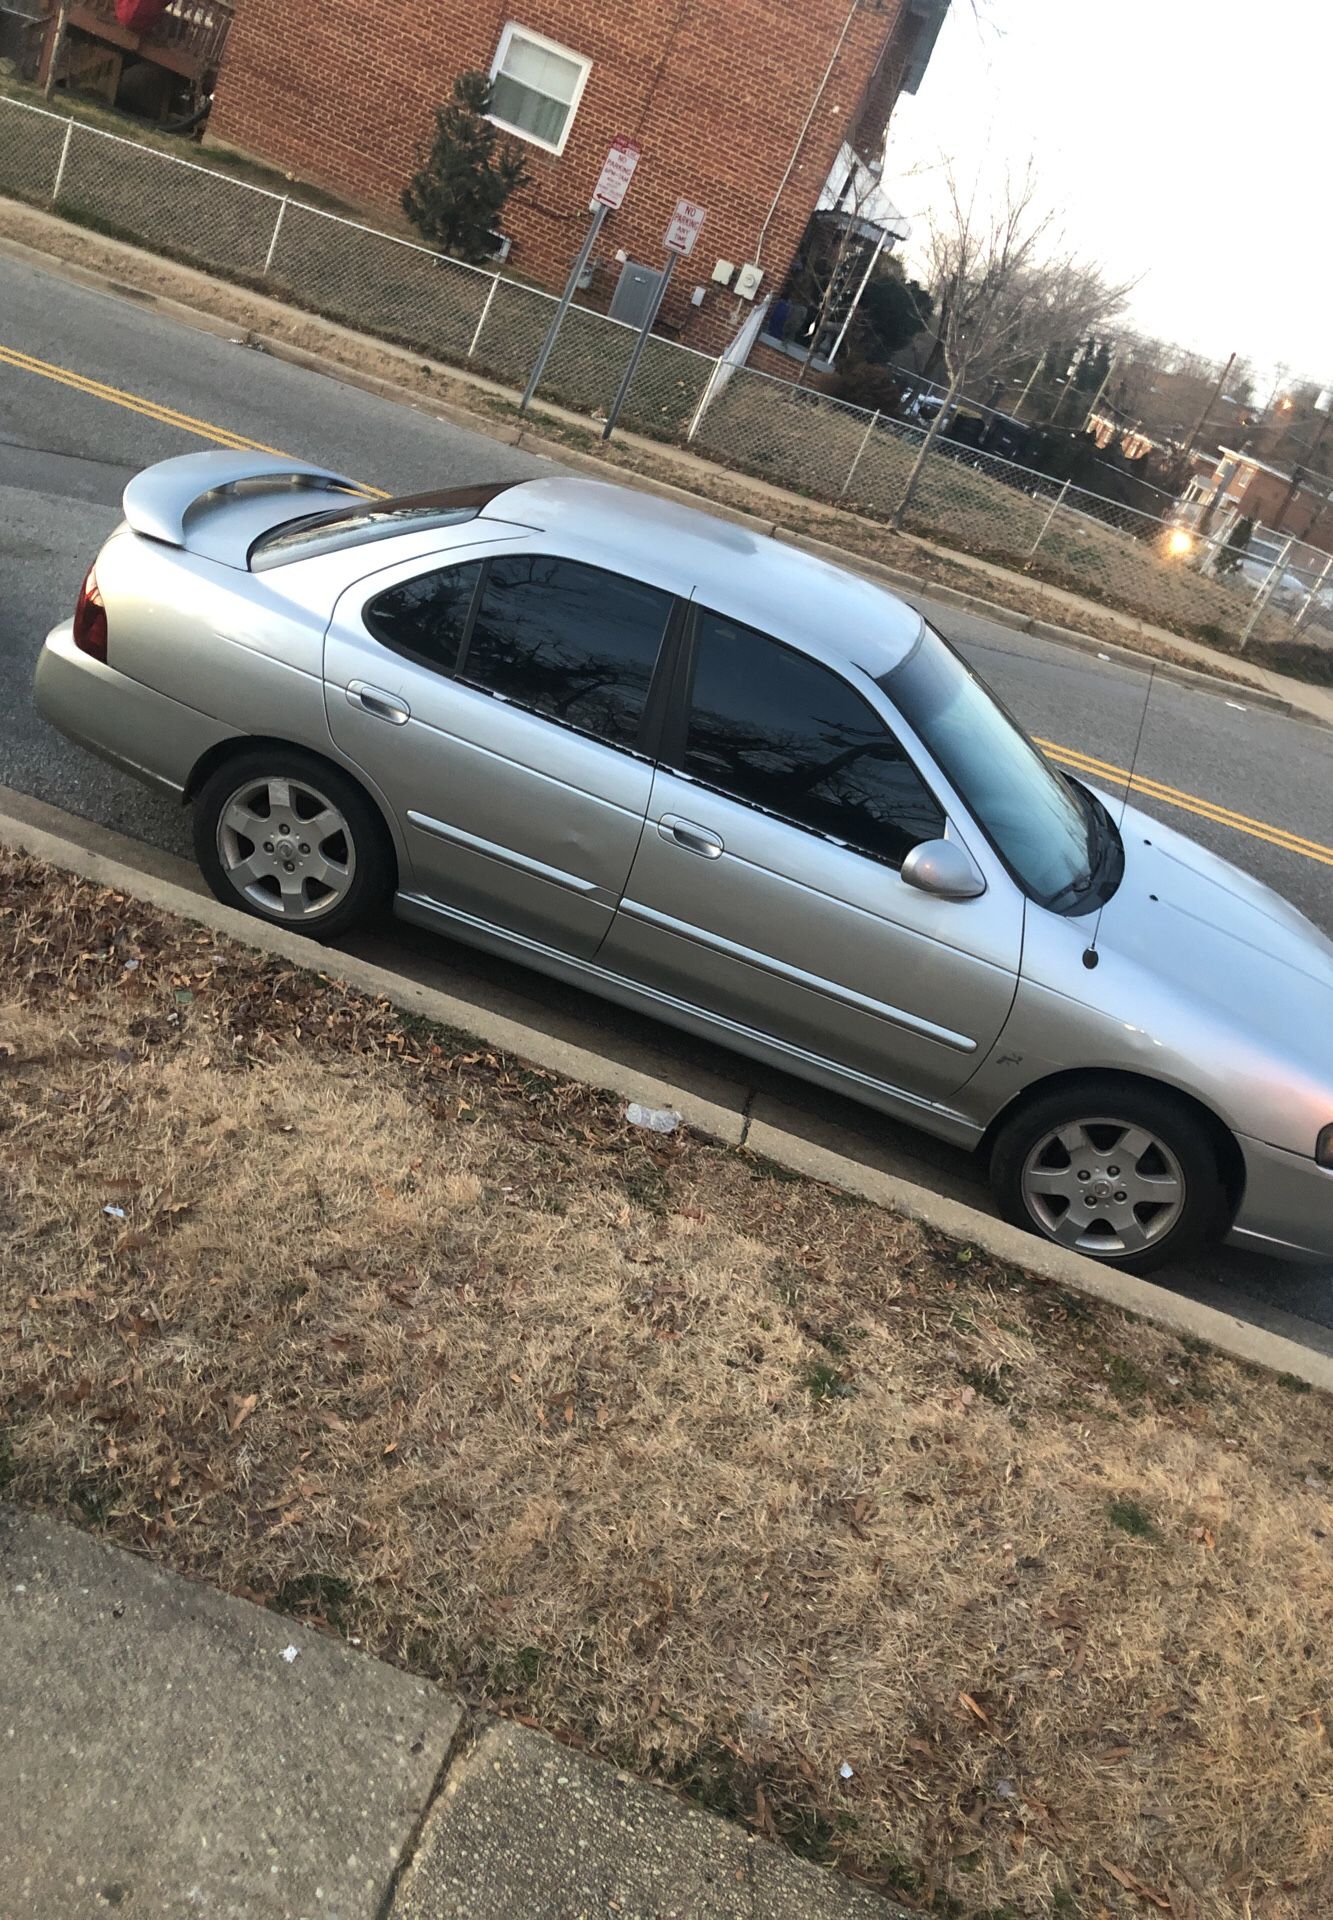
{"x":656,"y":1119}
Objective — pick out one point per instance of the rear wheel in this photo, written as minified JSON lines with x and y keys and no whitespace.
{"x":290,"y":839}
{"x":1123,"y":1174}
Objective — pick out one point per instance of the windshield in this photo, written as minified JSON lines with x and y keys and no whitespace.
{"x":1047,"y":832}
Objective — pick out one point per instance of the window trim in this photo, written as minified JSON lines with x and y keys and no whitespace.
{"x":513,"y":27}
{"x":675,"y":733}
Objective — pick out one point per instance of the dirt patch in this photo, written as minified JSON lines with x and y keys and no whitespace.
{"x":1012,"y":1605}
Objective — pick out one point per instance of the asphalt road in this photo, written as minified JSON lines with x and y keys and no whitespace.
{"x":68,"y":445}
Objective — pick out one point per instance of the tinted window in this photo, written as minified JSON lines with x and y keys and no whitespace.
{"x":786,"y":734}
{"x":570,"y":641}
{"x":426,"y":616}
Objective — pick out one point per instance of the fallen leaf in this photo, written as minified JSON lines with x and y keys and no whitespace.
{"x":1132,"y":1884}
{"x":239,"y":1411}
{"x":966,"y":1700}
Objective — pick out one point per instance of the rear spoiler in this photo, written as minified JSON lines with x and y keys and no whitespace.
{"x":159,"y":501}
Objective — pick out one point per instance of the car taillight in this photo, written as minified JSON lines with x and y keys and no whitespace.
{"x":90,"y":619}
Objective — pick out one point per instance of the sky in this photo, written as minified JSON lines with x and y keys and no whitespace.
{"x":1183,"y":143}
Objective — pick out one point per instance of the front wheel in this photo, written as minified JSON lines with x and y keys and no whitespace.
{"x":290,"y":839}
{"x":1125,"y":1175}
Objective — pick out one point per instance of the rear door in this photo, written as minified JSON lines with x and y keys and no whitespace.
{"x":767,"y":885}
{"x":501,"y":703}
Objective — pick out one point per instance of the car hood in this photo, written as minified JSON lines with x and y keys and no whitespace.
{"x":1197,"y":923}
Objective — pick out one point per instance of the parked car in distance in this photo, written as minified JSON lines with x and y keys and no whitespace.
{"x":719,"y":780}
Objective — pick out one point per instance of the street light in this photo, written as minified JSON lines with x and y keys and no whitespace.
{"x":1179,"y":542}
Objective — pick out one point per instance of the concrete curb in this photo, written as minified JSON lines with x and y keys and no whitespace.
{"x":716,"y":1118}
{"x":522,"y":435}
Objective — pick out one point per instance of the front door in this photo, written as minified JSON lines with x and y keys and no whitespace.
{"x":498,"y":703}
{"x":766,"y":888}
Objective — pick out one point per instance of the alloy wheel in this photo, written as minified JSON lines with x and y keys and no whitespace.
{"x":286,"y":848}
{"x":1104,"y":1187}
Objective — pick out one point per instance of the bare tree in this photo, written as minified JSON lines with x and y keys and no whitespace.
{"x":1002,"y":293}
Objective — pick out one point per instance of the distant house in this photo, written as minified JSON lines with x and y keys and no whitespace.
{"x":1240,"y":487}
{"x":853,"y":223}
{"x":743,"y":106}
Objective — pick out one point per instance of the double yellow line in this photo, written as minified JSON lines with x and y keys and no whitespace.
{"x":1097,"y":770}
{"x":1103,"y":771}
{"x":132,"y":402}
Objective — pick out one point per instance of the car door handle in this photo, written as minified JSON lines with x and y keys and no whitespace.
{"x":694,"y":839}
{"x":384,"y":706}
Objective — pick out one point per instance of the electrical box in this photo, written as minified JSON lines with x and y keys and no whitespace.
{"x":697,"y":297}
{"x":722,"y":273}
{"x":747,"y":281}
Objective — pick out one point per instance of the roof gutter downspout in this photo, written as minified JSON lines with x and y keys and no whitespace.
{"x":800,"y":138}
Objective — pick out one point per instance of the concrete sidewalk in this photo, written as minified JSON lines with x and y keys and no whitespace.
{"x":167,"y":1751}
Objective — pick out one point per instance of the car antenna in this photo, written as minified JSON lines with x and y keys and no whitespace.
{"x":1090,"y":954}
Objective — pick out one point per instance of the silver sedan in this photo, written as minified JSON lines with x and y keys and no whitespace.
{"x":721,"y":781}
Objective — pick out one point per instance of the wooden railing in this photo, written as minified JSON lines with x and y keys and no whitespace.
{"x":193,"y":29}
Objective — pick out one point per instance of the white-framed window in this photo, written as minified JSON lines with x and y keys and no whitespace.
{"x":536,"y":87}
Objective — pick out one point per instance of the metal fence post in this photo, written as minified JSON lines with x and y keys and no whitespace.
{"x":273,"y":242}
{"x":1056,"y":505}
{"x":856,"y":461}
{"x":1312,"y":596}
{"x":64,"y":156}
{"x":705,"y":398}
{"x":481,"y":320}
{"x":1265,"y":593}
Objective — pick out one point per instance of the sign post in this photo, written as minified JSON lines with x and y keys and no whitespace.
{"x":681,"y":235}
{"x":612,"y":186}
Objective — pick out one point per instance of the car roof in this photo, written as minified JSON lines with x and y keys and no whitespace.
{"x":746,"y":576}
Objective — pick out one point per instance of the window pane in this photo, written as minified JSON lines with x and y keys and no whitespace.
{"x":553,"y":74}
{"x":531,"y":112}
{"x":426,"y":616}
{"x":569,"y":641}
{"x":787,"y":735}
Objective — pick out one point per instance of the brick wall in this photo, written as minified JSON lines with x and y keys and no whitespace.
{"x":715,"y":91}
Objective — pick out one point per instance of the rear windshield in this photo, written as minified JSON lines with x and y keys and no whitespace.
{"x":316,"y":533}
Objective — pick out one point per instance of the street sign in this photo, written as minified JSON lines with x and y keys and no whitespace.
{"x":684,"y":229}
{"x":617,"y":172}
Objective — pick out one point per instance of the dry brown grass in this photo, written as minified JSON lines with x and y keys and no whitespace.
{"x":715,"y":1471}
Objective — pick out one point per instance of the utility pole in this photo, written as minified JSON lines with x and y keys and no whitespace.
{"x":1300,"y":472}
{"x":1097,"y":397}
{"x":1032,"y":377}
{"x":1208,"y":406}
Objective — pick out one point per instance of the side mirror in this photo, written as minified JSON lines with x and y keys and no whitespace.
{"x":943,"y":868}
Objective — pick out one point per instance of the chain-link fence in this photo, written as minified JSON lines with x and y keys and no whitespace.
{"x":1160,"y":570}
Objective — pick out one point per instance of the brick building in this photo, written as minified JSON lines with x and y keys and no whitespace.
{"x":1236,"y":486}
{"x":740,"y":105}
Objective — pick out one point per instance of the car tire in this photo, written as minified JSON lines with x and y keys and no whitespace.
{"x":1124,"y":1174}
{"x":317,"y":865}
